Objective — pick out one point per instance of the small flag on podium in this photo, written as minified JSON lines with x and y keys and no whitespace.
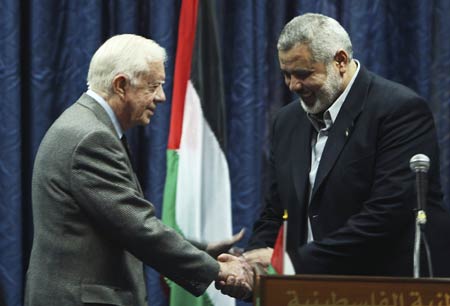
{"x":281,"y":262}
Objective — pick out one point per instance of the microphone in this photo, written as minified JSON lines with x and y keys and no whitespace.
{"x":419,"y":164}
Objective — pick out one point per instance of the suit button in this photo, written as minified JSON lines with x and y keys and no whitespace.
{"x":315,"y":217}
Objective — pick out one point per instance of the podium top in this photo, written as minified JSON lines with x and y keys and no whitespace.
{"x":317,"y":290}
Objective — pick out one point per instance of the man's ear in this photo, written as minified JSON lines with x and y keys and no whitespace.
{"x":342,"y":60}
{"x":120,"y":84}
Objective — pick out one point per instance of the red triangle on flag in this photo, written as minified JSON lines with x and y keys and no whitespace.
{"x":278,"y":252}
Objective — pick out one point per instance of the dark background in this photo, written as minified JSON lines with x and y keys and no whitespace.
{"x":46,"y":45}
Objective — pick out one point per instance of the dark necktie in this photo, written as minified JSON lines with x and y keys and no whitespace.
{"x":319,"y":120}
{"x":126,"y":146}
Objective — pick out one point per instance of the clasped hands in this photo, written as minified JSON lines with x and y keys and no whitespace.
{"x":236,"y":273}
{"x":235,"y":277}
{"x":236,"y":269}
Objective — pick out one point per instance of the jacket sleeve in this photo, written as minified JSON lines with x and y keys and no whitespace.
{"x":266,"y":227}
{"x":103,"y":186}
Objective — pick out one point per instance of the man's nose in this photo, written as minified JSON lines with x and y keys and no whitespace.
{"x":160,"y":96}
{"x":295,"y":84}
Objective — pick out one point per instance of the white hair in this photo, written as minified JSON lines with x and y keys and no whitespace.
{"x":128,"y":54}
{"x":324,"y":36}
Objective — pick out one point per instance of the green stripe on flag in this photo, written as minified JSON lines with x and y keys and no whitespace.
{"x":178,"y":296}
{"x":271,"y":270}
{"x":170,"y":194}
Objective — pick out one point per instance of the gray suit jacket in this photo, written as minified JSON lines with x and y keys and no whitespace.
{"x":92,"y":226}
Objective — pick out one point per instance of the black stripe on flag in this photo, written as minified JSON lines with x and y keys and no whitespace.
{"x":206,"y":71}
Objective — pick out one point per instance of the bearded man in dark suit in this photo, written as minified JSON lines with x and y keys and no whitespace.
{"x":92,"y":226}
{"x":340,"y":163}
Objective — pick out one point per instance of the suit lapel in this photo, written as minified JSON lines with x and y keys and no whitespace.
{"x":301,"y":161}
{"x":136,"y":181}
{"x":342,"y":128}
{"x":301,"y":156}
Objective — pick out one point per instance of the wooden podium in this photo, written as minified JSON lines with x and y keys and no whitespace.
{"x":316,"y":290}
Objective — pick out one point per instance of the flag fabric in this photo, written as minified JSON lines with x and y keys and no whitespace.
{"x":197,"y":193}
{"x":280,"y":262}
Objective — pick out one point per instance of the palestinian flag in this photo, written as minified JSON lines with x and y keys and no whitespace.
{"x":280,"y":262}
{"x":197,"y":195}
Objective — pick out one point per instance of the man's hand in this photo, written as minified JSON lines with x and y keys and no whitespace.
{"x":235,"y":277}
{"x":224,"y":246}
{"x":259,"y":257}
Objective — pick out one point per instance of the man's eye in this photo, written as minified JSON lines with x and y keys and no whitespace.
{"x":302,"y":74}
{"x":153,"y":87}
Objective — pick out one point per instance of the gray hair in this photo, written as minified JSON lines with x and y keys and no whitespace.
{"x":128,"y":54}
{"x":324,"y":36}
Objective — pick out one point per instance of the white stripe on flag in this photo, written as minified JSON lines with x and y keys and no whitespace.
{"x":288,"y":268}
{"x":203,"y":208}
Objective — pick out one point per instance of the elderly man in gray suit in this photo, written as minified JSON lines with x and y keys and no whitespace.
{"x":92,"y":226}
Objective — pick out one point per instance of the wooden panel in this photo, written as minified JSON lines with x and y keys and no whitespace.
{"x":348,"y":290}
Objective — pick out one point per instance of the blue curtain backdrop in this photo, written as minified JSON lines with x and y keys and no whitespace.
{"x":46,"y":45}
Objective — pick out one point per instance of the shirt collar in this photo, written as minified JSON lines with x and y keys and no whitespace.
{"x":108,"y":110}
{"x":330,"y":115}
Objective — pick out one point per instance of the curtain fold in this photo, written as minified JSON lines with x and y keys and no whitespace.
{"x":11,"y":149}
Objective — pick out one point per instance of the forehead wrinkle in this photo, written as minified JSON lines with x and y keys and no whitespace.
{"x":295,"y":62}
{"x":156,"y":77}
{"x":296,"y":66}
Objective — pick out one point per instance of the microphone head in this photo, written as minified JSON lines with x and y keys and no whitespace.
{"x":419,"y":162}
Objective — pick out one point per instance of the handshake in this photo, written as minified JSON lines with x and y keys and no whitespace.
{"x":235,"y":277}
{"x":236,"y":273}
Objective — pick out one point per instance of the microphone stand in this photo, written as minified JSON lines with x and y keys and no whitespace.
{"x":420,"y":164}
{"x":421,"y":220}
